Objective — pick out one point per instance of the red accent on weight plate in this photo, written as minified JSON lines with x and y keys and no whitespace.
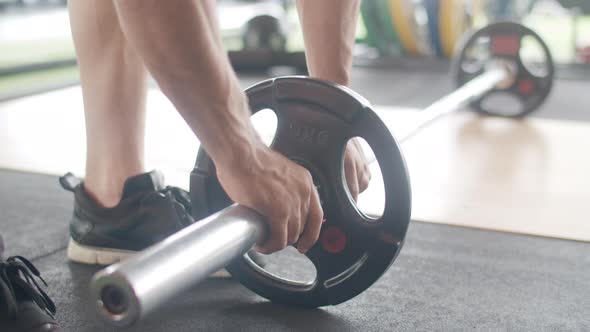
{"x":333,"y":240}
{"x":505,"y":45}
{"x":525,"y":87}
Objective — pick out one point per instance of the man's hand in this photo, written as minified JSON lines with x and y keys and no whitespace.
{"x":280,"y":190}
{"x":356,"y":168}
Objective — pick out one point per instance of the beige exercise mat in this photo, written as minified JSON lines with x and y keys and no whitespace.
{"x":46,"y":134}
{"x":529,"y":176}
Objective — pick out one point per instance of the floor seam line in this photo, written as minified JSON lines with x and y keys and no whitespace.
{"x":48,"y":254}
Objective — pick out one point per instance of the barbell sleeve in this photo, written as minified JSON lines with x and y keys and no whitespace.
{"x":129,"y":290}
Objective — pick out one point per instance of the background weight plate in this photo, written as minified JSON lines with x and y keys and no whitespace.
{"x":522,"y":51}
{"x":432,"y":10}
{"x":402,"y":15}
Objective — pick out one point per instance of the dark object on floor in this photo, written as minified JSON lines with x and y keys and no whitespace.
{"x":24,"y":305}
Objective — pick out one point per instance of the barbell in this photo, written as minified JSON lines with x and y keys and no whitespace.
{"x":315,"y":120}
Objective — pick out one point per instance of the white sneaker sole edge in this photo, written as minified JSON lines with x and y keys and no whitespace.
{"x":99,"y":256}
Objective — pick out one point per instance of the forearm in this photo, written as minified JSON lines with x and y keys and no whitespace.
{"x":182,"y":50}
{"x":329,"y":28}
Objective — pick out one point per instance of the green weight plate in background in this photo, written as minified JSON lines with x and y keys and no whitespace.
{"x":386,"y":24}
{"x":370,"y":23}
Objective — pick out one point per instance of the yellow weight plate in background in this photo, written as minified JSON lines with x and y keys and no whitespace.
{"x":452,"y":23}
{"x":401,"y":14}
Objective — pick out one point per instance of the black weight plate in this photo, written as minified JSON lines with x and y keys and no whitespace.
{"x":315,"y":121}
{"x":507,"y":42}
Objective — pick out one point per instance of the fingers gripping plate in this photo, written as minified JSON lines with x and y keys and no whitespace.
{"x":315,"y":121}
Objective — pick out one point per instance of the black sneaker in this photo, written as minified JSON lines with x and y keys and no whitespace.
{"x":24,"y":306}
{"x":148,"y":212}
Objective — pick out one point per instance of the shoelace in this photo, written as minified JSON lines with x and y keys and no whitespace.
{"x":18,"y":273}
{"x":183,"y":198}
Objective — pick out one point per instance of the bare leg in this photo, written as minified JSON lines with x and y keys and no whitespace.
{"x":328,"y":29}
{"x":114,"y":85}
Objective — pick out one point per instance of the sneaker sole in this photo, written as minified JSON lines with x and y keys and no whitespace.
{"x":100,"y":256}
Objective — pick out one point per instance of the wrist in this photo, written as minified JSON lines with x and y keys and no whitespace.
{"x":236,"y":142}
{"x":235,"y":149}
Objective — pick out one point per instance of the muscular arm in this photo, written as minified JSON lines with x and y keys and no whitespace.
{"x":180,"y":45}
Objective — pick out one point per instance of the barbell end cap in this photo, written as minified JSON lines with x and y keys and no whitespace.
{"x":115,"y":300}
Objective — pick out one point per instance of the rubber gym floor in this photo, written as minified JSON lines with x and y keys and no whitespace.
{"x":447,"y":278}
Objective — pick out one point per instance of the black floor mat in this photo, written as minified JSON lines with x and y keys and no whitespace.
{"x":446,"y":278}
{"x":34,"y":213}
